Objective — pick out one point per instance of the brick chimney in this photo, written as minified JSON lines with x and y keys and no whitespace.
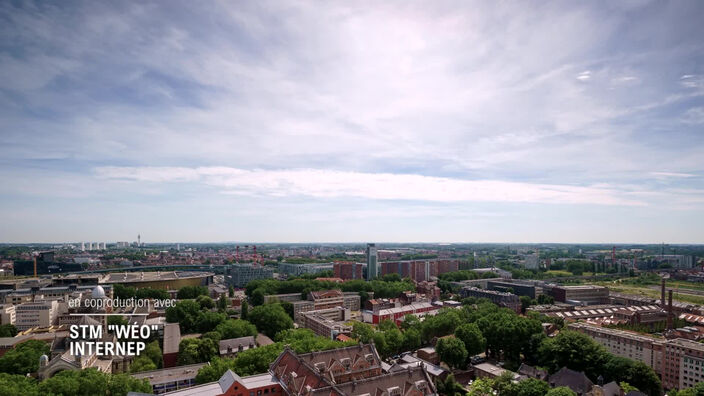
{"x":662,"y":293}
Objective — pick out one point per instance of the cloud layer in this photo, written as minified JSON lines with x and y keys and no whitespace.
{"x":140,"y":110}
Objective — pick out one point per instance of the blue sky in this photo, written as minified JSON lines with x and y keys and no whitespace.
{"x":352,"y":121}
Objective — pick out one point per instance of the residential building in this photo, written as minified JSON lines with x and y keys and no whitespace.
{"x":507,"y":300}
{"x":233,"y":346}
{"x":372,"y":262}
{"x":291,"y":269}
{"x":231,"y":384}
{"x":348,"y":271}
{"x":578,"y":382}
{"x":646,"y":349}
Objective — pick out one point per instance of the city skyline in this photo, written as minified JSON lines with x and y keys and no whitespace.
{"x":403,"y":122}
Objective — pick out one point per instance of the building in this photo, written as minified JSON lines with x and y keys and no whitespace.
{"x":36,"y":314}
{"x":429,"y":289}
{"x":626,"y":344}
{"x":612,"y":313}
{"x":419,"y":270}
{"x":372,"y":262}
{"x":231,"y":384}
{"x":354,"y":370}
{"x":682,"y":364}
{"x":488,"y":370}
{"x":172,"y":340}
{"x":328,"y":322}
{"x":241,"y":274}
{"x":291,"y":269}
{"x":233,"y":346}
{"x":578,"y":382}
{"x":317,"y":300}
{"x":532,"y":261}
{"x":348,"y":271}
{"x":517,"y":288}
{"x":165,"y":280}
{"x":397,"y":314}
{"x":7,"y":314}
{"x":581,"y":294}
{"x":507,"y":300}
{"x":171,"y":379}
{"x":44,"y":263}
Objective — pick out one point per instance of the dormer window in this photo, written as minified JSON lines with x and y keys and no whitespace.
{"x":394,"y":391}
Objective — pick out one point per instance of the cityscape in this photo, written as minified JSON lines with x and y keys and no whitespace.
{"x":368,"y":198}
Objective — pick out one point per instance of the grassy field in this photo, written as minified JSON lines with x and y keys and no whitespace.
{"x":648,"y":291}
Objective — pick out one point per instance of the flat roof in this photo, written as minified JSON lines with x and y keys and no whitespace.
{"x":177,"y":373}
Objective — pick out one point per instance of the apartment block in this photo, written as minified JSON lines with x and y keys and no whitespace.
{"x":36,"y":314}
{"x":348,"y":271}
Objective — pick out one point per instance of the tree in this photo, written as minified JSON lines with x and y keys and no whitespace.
{"x":411,"y":340}
{"x":122,"y":384}
{"x":258,"y":297}
{"x":208,"y":321}
{"x":362,"y":332}
{"x":142,"y":363}
{"x":12,"y":384}
{"x":205,"y":302}
{"x":223,"y":303}
{"x":452,"y":352}
{"x":8,"y":330}
{"x":194,"y":350}
{"x":394,"y":340}
{"x":527,"y":387}
{"x":185,"y":313}
{"x":410,"y":321}
{"x":288,"y":307}
{"x":561,"y":391}
{"x":24,"y":358}
{"x":393,"y":277}
{"x":637,"y":374}
{"x":381,"y":346}
{"x":449,"y":387}
{"x":545,"y":299}
{"x":244,"y":309}
{"x":574,"y":350}
{"x":231,"y":291}
{"x":153,"y":352}
{"x":236,"y":328}
{"x":386,"y":325}
{"x":190,"y":292}
{"x":525,"y":303}
{"x":481,"y":387}
{"x":270,"y":319}
{"x":472,"y":338}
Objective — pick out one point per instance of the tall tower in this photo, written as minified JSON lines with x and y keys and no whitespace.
{"x":372,"y":262}
{"x":139,"y":240}
{"x":83,"y":246}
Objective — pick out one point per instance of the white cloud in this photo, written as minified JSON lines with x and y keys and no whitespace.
{"x":672,"y":174}
{"x":584,"y":76}
{"x":382,"y":186}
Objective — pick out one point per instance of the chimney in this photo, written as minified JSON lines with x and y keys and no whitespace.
{"x":662,"y":293}
{"x":35,"y":266}
{"x":669,"y":310}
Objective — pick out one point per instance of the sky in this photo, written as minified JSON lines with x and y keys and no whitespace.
{"x":336,"y":121}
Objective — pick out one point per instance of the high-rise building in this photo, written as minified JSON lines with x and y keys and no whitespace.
{"x":90,"y":245}
{"x":83,"y":246}
{"x":372,"y":262}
